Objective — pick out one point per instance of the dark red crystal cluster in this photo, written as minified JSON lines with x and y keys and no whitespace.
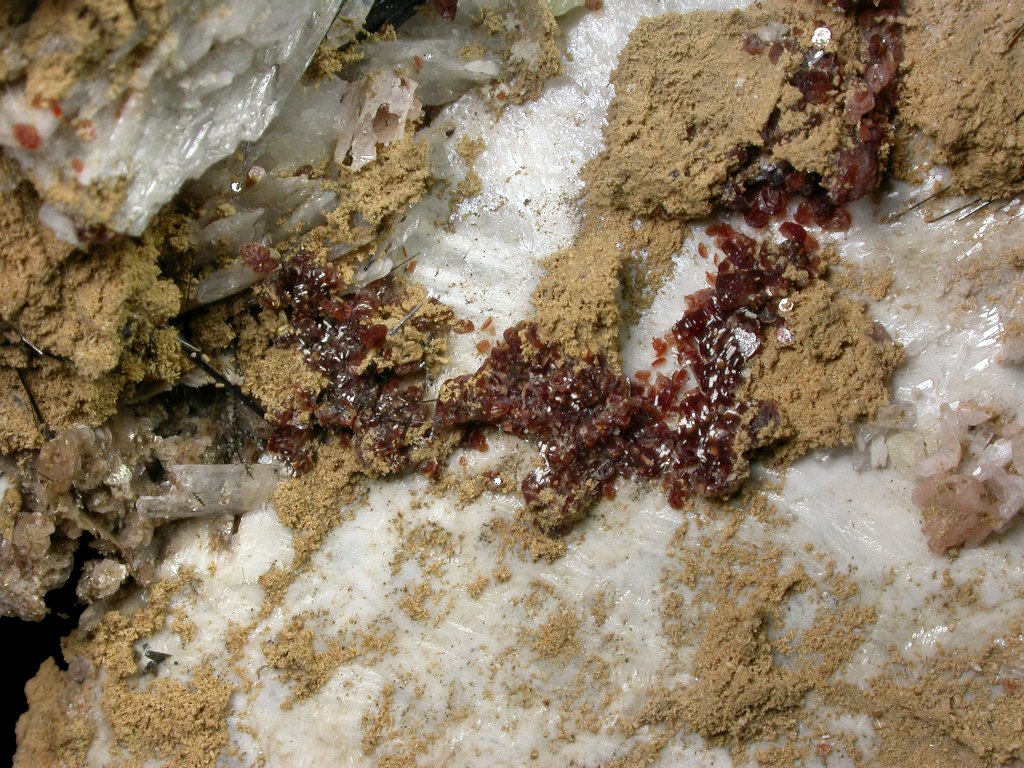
{"x":378,"y":404}
{"x":689,"y":430}
{"x":762,"y":189}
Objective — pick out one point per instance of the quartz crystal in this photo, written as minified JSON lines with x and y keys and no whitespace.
{"x":196,"y":490}
{"x":160,"y":107}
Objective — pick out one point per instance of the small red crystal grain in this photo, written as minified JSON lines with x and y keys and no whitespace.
{"x":39,"y":102}
{"x":430,"y":468}
{"x":446,"y":9}
{"x":756,"y":219}
{"x":258,"y":257}
{"x":839,"y":221}
{"x":292,"y":443}
{"x":27,"y":136}
{"x":374,"y":335}
{"x":804,"y":214}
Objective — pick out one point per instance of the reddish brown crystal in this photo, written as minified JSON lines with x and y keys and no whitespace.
{"x":27,"y":135}
{"x":446,"y":9}
{"x":258,"y":257}
{"x":761,"y":190}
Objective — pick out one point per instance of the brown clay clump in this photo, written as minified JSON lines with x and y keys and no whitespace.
{"x":825,"y":369}
{"x":962,"y":97}
{"x":84,"y":327}
{"x":747,"y":108}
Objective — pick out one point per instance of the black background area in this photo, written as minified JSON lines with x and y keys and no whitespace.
{"x":30,"y":643}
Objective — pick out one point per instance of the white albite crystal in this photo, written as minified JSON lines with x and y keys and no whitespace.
{"x":225,"y":282}
{"x":1012,"y":352}
{"x":214,"y":78}
{"x":444,"y":75}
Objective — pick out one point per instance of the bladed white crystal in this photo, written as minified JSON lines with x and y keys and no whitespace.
{"x":214,"y":78}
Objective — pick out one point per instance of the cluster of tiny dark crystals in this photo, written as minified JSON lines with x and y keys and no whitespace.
{"x":594,"y":424}
{"x":761,"y":190}
{"x":336,"y":329}
{"x":690,"y":430}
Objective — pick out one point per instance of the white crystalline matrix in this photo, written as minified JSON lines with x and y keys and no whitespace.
{"x":109,"y":105}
